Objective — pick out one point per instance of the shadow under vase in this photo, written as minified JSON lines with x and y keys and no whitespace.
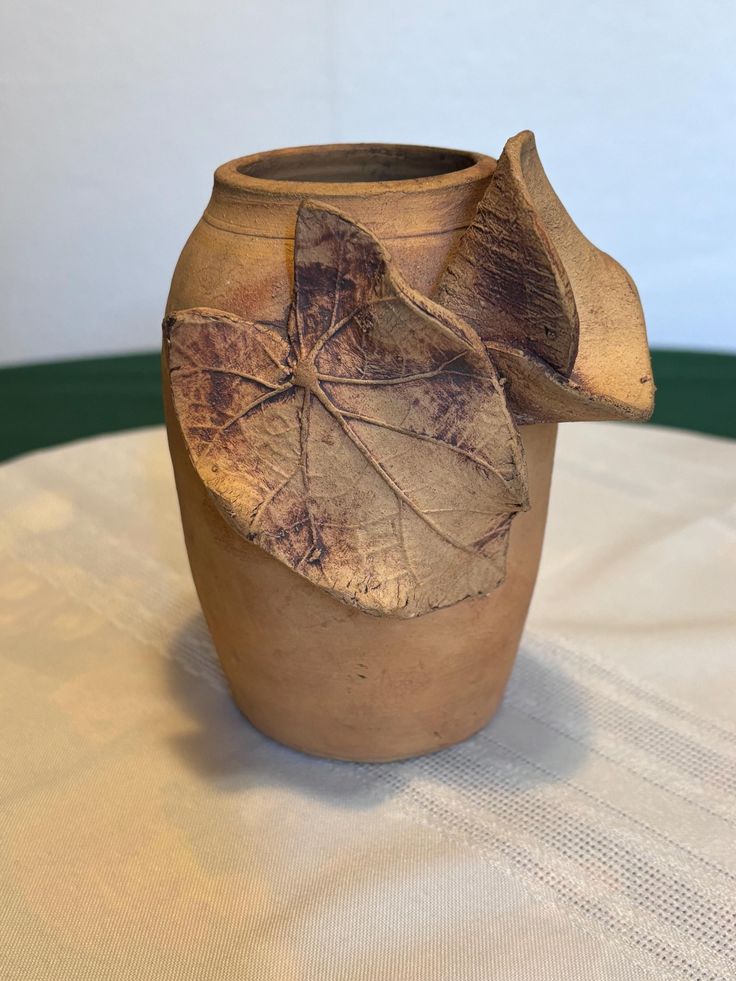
{"x":519,"y":750}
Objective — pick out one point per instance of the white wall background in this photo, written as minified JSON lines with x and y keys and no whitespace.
{"x":114,"y":116}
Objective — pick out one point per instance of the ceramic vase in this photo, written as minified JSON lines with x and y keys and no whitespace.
{"x":311,"y":660}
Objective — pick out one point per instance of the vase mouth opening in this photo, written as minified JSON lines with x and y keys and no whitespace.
{"x":353,"y":168}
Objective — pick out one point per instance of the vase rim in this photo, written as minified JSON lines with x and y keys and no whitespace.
{"x":353,"y":169}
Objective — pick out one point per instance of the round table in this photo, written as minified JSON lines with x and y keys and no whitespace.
{"x":147,"y":831}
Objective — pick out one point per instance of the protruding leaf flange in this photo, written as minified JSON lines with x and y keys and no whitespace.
{"x":561,"y":319}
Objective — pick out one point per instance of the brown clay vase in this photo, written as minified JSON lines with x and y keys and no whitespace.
{"x":366,"y":351}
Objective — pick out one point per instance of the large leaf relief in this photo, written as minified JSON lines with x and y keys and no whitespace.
{"x":372,"y":451}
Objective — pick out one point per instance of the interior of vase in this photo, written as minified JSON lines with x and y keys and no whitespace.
{"x":356,"y":164}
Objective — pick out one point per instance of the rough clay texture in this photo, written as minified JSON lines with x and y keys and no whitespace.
{"x":561,"y":319}
{"x":371,"y":449}
{"x":307,"y":667}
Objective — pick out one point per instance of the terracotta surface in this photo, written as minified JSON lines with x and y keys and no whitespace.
{"x":308,"y":661}
{"x":331,"y":680}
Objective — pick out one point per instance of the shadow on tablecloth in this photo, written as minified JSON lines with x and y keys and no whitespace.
{"x":514,"y":751}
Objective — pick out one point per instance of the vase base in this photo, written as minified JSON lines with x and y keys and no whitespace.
{"x":362,"y":751}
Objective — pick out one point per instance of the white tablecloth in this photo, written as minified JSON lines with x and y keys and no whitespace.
{"x":148,"y":832}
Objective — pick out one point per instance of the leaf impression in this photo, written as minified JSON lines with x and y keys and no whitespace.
{"x":561,"y":319}
{"x":372,"y":452}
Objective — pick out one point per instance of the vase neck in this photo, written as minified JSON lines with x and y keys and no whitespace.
{"x":396,"y":191}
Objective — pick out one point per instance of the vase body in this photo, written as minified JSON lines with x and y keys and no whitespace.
{"x":306,"y":669}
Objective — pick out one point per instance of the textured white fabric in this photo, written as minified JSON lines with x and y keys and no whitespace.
{"x":148,"y":832}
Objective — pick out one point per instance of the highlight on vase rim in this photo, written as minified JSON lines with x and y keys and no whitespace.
{"x":388,"y":165}
{"x":372,"y":446}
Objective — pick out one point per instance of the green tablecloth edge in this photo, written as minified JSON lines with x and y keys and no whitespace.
{"x":44,"y":405}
